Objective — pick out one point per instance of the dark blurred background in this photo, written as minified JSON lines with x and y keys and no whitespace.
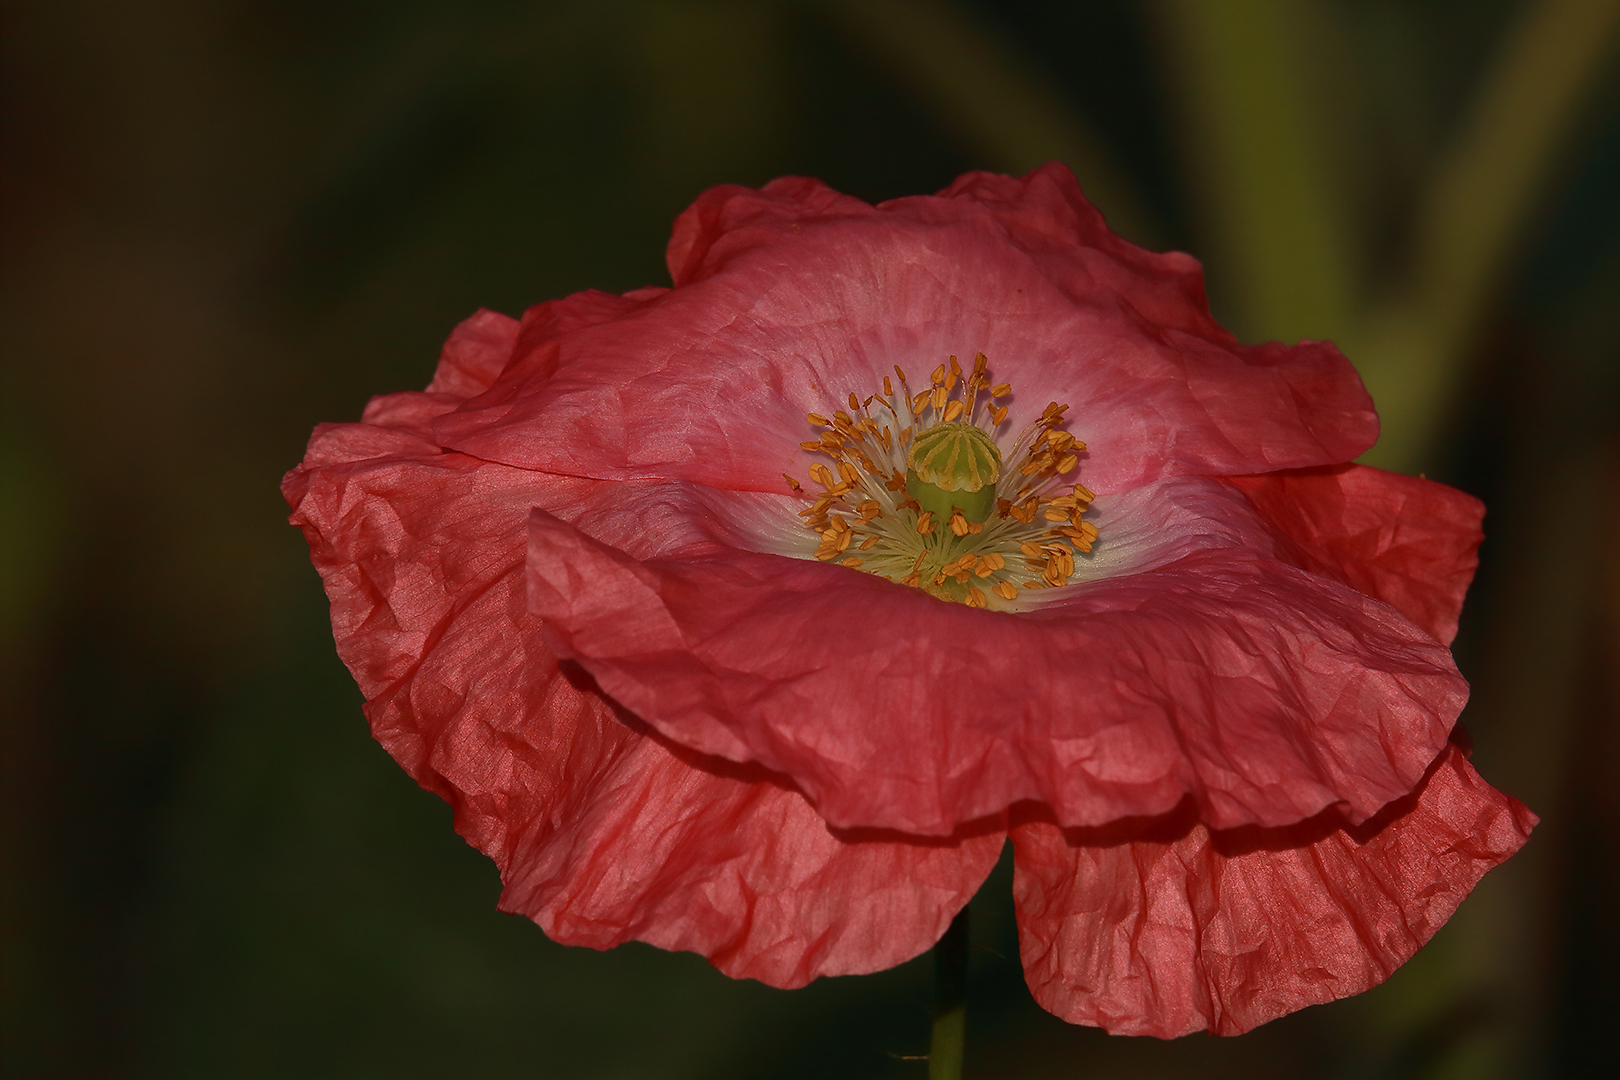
{"x":227,"y":220}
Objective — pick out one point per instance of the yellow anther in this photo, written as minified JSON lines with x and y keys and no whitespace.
{"x":875,"y":466}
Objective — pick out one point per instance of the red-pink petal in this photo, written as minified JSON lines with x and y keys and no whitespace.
{"x":790,"y":298}
{"x":1409,"y":542}
{"x":475,"y":354}
{"x":1265,"y":692}
{"x":733,"y":865}
{"x":1172,"y":929}
{"x":601,"y":834}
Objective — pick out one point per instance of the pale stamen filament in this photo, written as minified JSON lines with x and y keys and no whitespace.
{"x":1033,"y":530}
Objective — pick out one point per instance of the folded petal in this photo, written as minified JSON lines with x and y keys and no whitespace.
{"x":1166,"y":928}
{"x":602,"y":834}
{"x":790,"y":298}
{"x":1409,"y":542}
{"x":1264,"y":692}
{"x":731,"y":863}
{"x":475,"y":353}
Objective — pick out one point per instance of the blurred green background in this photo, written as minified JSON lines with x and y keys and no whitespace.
{"x":227,"y":220}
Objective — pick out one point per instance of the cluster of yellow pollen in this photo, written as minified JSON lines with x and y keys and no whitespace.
{"x":903,"y":496}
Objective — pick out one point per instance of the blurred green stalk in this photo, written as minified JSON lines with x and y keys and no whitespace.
{"x":1411,"y":348}
{"x":994,"y":102}
{"x":1243,"y":69}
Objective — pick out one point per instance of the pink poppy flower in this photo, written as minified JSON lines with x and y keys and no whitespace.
{"x":752,"y":616}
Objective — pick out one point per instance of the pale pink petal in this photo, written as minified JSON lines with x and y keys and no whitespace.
{"x":601,"y":834}
{"x":1264,"y":692}
{"x":791,"y":298}
{"x":1409,"y":542}
{"x":1164,"y":928}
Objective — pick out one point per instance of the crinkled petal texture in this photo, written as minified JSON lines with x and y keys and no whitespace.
{"x":1174,"y":928}
{"x":1166,"y":926}
{"x":1264,"y":692}
{"x":790,"y":298}
{"x":572,"y":586}
{"x":602,"y":832}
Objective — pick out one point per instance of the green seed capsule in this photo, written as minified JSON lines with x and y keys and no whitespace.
{"x":954,"y":464}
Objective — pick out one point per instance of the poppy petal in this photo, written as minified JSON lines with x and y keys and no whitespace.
{"x":1165,"y":928}
{"x":602,"y":834}
{"x":792,"y":297}
{"x":1265,"y":692}
{"x":1410,"y":542}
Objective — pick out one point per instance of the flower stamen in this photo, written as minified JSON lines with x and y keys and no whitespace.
{"x":904,"y":463}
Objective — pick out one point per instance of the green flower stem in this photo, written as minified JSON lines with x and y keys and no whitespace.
{"x":950,"y":1007}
